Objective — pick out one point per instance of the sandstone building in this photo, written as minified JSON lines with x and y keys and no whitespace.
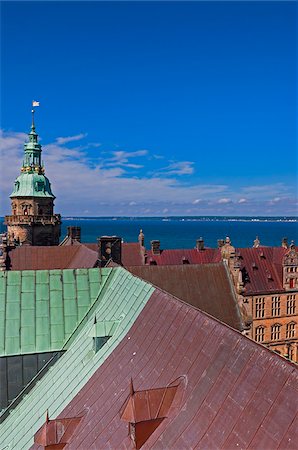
{"x":32,"y":221}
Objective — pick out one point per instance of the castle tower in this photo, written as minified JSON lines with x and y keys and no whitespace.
{"x":33,"y":221}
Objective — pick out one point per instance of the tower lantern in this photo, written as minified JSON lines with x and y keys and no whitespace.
{"x":33,"y":221}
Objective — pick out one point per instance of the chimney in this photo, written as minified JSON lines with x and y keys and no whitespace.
{"x":141,"y":238}
{"x":109,"y":249}
{"x":284,"y":242}
{"x":74,"y":233}
{"x":155,"y":247}
{"x":257,"y":242}
{"x":220,"y":243}
{"x":200,"y":244}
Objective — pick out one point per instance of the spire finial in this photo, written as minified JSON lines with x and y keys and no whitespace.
{"x":33,"y":124}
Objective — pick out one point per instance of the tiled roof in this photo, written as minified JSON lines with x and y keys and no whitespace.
{"x":56,"y":257}
{"x":176,"y":257}
{"x":236,"y":393}
{"x":40,"y":309}
{"x":120,"y":303}
{"x":205,"y":286}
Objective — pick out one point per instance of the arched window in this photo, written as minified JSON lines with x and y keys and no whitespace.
{"x":275,"y":332}
{"x":260,"y":334}
{"x":290,"y":331}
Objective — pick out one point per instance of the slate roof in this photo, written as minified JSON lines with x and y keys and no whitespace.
{"x":39,"y":310}
{"x":121,"y":301}
{"x":56,"y":257}
{"x":236,"y":393}
{"x":205,"y":286}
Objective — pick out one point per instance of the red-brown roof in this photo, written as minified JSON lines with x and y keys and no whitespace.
{"x":205,"y":286}
{"x":237,"y":394}
{"x":262,"y":269}
{"x":131,"y":253}
{"x":57,"y":257}
{"x":182,"y":256}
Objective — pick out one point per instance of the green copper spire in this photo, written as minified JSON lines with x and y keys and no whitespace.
{"x":32,"y":160}
{"x":32,"y":182}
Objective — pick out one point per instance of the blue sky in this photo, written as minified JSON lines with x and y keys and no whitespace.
{"x":154,"y":108}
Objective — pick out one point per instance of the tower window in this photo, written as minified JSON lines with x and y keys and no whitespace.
{"x":292,"y":283}
{"x":39,"y":185}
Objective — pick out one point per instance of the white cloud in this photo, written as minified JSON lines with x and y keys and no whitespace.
{"x":83,"y":185}
{"x":178,"y":168}
{"x":265,"y":189}
{"x":242,"y":200}
{"x":121,"y":158}
{"x":224,"y":200}
{"x":67,"y":139}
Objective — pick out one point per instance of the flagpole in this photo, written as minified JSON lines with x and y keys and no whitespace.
{"x":33,"y":125}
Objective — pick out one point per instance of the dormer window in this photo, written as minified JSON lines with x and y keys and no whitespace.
{"x":17,"y":185}
{"x":145,"y":410}
{"x":39,"y":186}
{"x":102,"y":331}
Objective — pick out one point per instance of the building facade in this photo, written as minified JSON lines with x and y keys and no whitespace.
{"x":266,"y":282}
{"x":32,"y":220}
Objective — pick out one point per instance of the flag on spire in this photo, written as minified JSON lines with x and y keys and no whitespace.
{"x":34,"y":103}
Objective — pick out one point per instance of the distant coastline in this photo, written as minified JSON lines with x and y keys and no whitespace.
{"x":190,"y":218}
{"x":183,"y":231}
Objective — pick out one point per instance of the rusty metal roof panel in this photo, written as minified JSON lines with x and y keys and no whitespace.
{"x":205,"y":286}
{"x":235,"y":391}
{"x":261,"y":268}
{"x":119,"y":303}
{"x":46,"y":258}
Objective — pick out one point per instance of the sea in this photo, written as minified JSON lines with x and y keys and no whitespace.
{"x":182,"y":232}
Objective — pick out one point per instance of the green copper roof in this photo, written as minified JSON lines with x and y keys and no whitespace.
{"x":116,"y":309}
{"x":32,"y":185}
{"x":40,"y":309}
{"x":32,"y":182}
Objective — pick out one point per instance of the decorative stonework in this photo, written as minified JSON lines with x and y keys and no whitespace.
{"x":290,"y":269}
